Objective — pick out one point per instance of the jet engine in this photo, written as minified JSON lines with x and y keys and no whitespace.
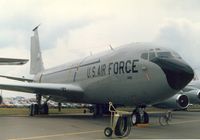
{"x":1,"y":99}
{"x":178,"y":101}
{"x":194,"y":96}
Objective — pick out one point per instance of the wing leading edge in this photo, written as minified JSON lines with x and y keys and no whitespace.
{"x":51,"y":89}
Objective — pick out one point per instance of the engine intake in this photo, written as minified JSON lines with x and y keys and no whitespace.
{"x":178,"y":101}
{"x":182,"y":101}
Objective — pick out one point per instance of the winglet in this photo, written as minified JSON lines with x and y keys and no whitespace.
{"x":36,"y":27}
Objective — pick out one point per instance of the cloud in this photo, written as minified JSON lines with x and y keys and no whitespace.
{"x":182,"y":35}
{"x":72,"y":29}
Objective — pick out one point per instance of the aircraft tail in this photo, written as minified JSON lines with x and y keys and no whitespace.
{"x":36,"y":64}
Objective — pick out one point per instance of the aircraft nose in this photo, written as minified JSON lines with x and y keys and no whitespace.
{"x":178,"y":73}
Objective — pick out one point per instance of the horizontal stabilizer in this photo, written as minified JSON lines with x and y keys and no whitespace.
{"x":17,"y":78}
{"x":12,"y":61}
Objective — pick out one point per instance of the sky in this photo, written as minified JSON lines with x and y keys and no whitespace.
{"x":73,"y":29}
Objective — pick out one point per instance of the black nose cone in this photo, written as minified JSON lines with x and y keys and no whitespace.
{"x":177,"y":72}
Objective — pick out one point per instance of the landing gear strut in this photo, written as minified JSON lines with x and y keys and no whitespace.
{"x":59,"y":107}
{"x":36,"y":109}
{"x":99,"y":110}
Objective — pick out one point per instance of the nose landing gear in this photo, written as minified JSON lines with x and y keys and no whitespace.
{"x":139,"y":116}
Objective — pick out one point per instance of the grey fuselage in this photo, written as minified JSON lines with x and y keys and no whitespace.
{"x":120,"y":76}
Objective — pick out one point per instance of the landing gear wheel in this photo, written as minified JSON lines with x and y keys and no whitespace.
{"x":135,"y":118}
{"x":34,"y":109}
{"x":45,"y":108}
{"x":1,"y":99}
{"x":146,"y":118}
{"x":108,"y":132}
{"x":31,"y":110}
{"x":123,"y":127}
{"x":84,"y":111}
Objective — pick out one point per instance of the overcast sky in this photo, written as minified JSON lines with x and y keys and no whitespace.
{"x":71,"y":29}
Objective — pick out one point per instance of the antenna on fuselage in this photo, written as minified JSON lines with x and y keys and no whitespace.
{"x":111,"y":47}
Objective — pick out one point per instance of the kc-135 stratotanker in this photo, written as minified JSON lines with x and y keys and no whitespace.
{"x":136,"y":75}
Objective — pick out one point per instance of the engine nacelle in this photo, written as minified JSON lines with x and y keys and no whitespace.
{"x":194,"y":96}
{"x":178,"y":101}
{"x":1,"y":99}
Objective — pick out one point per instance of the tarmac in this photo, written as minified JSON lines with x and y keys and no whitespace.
{"x":184,"y":125}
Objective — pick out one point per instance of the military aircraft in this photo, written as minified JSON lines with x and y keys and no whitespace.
{"x":136,"y":74}
{"x":188,"y":95}
{"x":11,"y":61}
{"x":192,"y":90}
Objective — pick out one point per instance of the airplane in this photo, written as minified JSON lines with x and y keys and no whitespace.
{"x":187,"y":96}
{"x":192,"y":90}
{"x":136,"y":74}
{"x":11,"y":61}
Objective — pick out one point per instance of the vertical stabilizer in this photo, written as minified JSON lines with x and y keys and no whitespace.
{"x":36,"y":64}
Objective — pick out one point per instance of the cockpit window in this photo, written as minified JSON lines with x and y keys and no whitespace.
{"x":164,"y":54}
{"x":176,"y":55}
{"x":144,"y":56}
{"x":151,"y":55}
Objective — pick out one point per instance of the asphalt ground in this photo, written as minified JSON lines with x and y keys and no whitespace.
{"x":184,"y":125}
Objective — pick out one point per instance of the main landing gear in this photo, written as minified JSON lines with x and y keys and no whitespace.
{"x":99,"y":110}
{"x":36,"y":109}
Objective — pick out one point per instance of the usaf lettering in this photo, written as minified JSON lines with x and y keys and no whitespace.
{"x":118,"y":67}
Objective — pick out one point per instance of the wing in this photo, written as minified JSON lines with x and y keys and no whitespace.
{"x":193,"y":85}
{"x":188,"y":88}
{"x":66,"y":90}
{"x":12,"y":61}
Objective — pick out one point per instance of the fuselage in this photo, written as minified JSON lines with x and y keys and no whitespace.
{"x":122,"y":76}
